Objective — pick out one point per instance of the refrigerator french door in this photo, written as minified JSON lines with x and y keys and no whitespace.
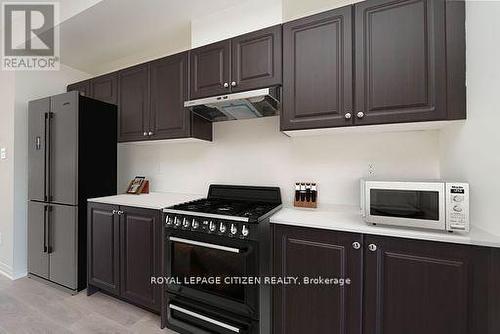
{"x":72,"y":157}
{"x":53,"y":206}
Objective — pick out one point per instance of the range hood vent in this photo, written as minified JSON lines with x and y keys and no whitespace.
{"x":244,"y":105}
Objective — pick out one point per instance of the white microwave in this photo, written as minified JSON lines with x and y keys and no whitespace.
{"x":430,"y":204}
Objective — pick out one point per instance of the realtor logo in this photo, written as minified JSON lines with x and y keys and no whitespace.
{"x":30,"y":36}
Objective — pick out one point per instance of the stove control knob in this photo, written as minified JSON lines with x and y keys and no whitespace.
{"x":234,"y":229}
{"x":222,"y":227}
{"x":168,"y":220}
{"x":212,"y":226}
{"x":177,"y":221}
{"x":185,"y":223}
{"x":195,"y":224}
{"x":245,"y":231}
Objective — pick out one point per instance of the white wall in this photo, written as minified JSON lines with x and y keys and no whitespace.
{"x":472,"y":151}
{"x":236,"y":20}
{"x":254,"y":152}
{"x":6,"y":170}
{"x":293,"y":9}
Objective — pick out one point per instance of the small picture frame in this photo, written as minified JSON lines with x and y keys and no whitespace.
{"x":138,"y":185}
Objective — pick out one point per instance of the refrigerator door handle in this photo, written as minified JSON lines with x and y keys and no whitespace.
{"x":49,"y":248}
{"x":45,"y":209}
{"x":48,"y":153}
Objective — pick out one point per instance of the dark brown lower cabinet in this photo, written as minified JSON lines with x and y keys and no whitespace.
{"x":140,"y":240}
{"x":398,"y":285}
{"x":318,"y":309}
{"x":103,"y":242}
{"x":416,"y":287}
{"x":124,"y":251}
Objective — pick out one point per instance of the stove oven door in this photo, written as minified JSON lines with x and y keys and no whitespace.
{"x":186,"y":316}
{"x":191,"y":256}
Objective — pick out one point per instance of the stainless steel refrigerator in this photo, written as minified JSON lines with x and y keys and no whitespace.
{"x":72,"y":157}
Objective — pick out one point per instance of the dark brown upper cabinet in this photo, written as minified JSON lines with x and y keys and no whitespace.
{"x":83,"y":87}
{"x":304,"y":252}
{"x":210,"y":69}
{"x":133,"y":103}
{"x":409,"y":65}
{"x":256,"y":60}
{"x":246,"y":62}
{"x":317,"y":71}
{"x":105,"y":88}
{"x":400,"y":61}
{"x":169,"y":90}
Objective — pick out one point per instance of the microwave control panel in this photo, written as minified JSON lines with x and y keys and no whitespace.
{"x":457,"y":207}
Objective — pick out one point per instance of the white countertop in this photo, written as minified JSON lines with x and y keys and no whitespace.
{"x":155,"y":201}
{"x":329,"y":217}
{"x":348,"y":219}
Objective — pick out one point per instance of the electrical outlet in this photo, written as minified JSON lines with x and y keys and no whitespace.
{"x":371,"y":169}
{"x":3,"y":153}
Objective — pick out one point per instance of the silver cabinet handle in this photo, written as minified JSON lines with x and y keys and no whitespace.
{"x":372,"y":247}
{"x":226,"y":85}
{"x":233,"y":83}
{"x":204,"y":318}
{"x":150,"y":133}
{"x":205,"y":244}
{"x":360,"y":114}
{"x":145,"y":133}
{"x":115,"y":212}
{"x":348,"y":115}
{"x":119,"y":212}
{"x":356,"y":245}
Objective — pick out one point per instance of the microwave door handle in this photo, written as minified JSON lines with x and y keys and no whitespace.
{"x":204,"y":318}
{"x":206,"y":244}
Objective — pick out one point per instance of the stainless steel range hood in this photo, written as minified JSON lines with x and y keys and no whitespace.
{"x":244,"y":105}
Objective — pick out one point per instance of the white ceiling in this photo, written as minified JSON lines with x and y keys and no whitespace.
{"x":117,"y":33}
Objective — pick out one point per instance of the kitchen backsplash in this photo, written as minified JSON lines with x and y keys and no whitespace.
{"x":254,"y":152}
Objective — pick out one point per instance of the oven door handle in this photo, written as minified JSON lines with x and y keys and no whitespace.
{"x":204,"y":318}
{"x":205,"y":244}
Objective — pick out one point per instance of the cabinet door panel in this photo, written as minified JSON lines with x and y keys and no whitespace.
{"x":140,"y":256}
{"x":133,"y":106}
{"x":318,"y":309}
{"x":105,"y":88}
{"x":256,"y":59}
{"x":103,"y":247}
{"x":169,"y":90}
{"x":38,"y":257}
{"x":400,"y":61}
{"x":416,"y":287}
{"x":210,"y":69}
{"x":63,"y":244}
{"x":317,"y":77}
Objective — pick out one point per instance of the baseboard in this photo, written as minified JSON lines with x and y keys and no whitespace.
{"x":7,"y":271}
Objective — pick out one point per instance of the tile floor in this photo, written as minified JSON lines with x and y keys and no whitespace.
{"x":27,"y":306}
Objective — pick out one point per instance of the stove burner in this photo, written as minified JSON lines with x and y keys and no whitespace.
{"x":247,"y":209}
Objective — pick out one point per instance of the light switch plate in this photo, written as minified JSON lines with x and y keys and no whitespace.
{"x":3,"y":153}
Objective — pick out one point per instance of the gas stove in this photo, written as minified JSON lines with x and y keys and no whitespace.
{"x":239,"y":203}
{"x":226,"y":234}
